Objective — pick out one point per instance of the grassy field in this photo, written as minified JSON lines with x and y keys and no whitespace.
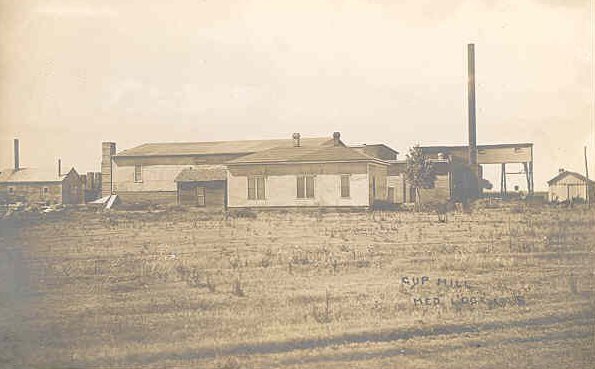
{"x":509,"y":287}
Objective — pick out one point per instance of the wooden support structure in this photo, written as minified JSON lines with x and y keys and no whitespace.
{"x":503,"y":190}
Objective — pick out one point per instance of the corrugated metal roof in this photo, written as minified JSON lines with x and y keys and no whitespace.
{"x":304,"y":154}
{"x":30,"y":175}
{"x":218,"y":147}
{"x":202,"y":174}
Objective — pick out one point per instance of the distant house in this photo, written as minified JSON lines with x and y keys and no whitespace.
{"x":41,"y":186}
{"x":300,"y":176}
{"x":567,"y":185}
{"x":189,"y":173}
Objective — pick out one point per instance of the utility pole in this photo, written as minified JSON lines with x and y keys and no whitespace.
{"x":587,"y":185}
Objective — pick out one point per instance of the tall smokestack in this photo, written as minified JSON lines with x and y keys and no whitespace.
{"x":16,"y":154}
{"x":59,"y":168}
{"x":471,"y":104}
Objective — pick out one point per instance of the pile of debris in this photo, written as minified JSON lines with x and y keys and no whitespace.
{"x":9,"y":210}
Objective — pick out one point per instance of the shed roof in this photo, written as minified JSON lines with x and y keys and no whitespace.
{"x":304,"y":154}
{"x":218,"y":147}
{"x":202,"y":174}
{"x":24,"y":175}
{"x":566,"y":173}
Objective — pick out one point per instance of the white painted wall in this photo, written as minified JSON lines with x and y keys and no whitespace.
{"x":567,"y":188}
{"x":282,"y":191}
{"x":155,"y":178}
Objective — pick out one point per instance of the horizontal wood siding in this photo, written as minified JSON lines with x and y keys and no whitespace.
{"x":567,"y":188}
{"x":33,"y":192}
{"x":440,"y":193}
{"x":377,"y":178}
{"x":281,"y":191}
{"x":214,"y":194}
{"x":504,"y":155}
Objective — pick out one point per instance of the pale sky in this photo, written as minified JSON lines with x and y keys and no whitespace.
{"x":76,"y":73}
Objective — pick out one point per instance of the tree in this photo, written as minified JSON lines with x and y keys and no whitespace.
{"x":419,"y":173}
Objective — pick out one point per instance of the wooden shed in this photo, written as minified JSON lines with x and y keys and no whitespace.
{"x":202,"y":186}
{"x":567,"y":185}
{"x":32,"y":185}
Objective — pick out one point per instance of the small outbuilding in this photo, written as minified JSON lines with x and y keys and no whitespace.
{"x":32,"y":185}
{"x":202,"y":186}
{"x":569,"y":185}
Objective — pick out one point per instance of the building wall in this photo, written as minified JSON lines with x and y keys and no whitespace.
{"x":72,"y":189}
{"x":567,"y":188}
{"x":148,"y":197}
{"x":496,"y":155}
{"x":184,"y":160}
{"x":399,"y":187}
{"x":440,"y":192}
{"x":154,"y":178}
{"x":214,"y":194}
{"x":108,"y":149}
{"x":33,"y":192}
{"x":377,"y":178}
{"x":158,"y":173}
{"x":281,"y":185}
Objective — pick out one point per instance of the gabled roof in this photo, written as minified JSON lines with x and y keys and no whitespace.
{"x":202,"y":174}
{"x":362,"y":146}
{"x":218,"y":147}
{"x":566,"y":173}
{"x":304,"y":154}
{"x":24,"y":175}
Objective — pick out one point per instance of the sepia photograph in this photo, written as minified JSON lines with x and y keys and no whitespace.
{"x":247,"y":184}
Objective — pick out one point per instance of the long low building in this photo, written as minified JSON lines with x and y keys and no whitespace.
{"x":295,"y":172}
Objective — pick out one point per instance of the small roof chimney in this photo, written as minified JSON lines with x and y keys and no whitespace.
{"x":16,"y":154}
{"x":337,"y":138}
{"x":296,"y":140}
{"x":561,"y":170}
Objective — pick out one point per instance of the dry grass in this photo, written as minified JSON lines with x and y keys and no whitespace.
{"x":301,"y":289}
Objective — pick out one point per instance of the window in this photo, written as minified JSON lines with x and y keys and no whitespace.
{"x":11,"y":190}
{"x":200,"y":196}
{"x":138,"y":173}
{"x":305,"y":187}
{"x":345,"y":185}
{"x":46,"y":190}
{"x":256,"y":188}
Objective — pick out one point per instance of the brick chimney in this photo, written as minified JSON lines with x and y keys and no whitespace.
{"x":336,"y":138}
{"x":296,"y":140}
{"x":16,"y":154}
{"x":108,"y":149}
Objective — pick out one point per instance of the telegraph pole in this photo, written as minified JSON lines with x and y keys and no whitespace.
{"x":587,"y":185}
